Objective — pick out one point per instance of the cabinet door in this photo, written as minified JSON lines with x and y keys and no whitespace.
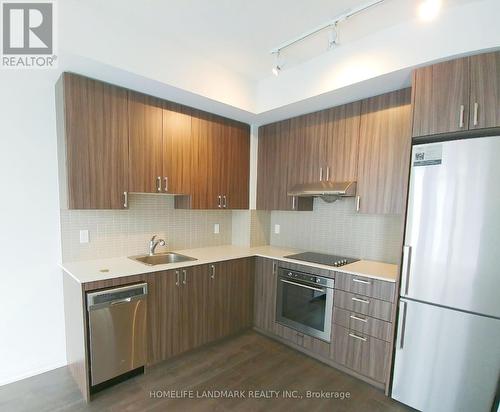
{"x":268,"y":171}
{"x":145,"y":143}
{"x":168,"y":296}
{"x":484,"y":90}
{"x":194,"y":293}
{"x":294,"y":144}
{"x":240,"y":278}
{"x":340,"y":157}
{"x":218,"y":303}
{"x":265,"y":294}
{"x":441,"y":98}
{"x":178,"y":148}
{"x":237,"y":152}
{"x":384,"y":153}
{"x":95,"y":132}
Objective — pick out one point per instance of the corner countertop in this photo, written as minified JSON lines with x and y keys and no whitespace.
{"x":101,"y":269}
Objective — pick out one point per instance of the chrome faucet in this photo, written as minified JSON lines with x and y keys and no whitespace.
{"x":153,"y":243}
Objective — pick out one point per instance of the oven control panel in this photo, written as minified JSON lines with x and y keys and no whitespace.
{"x":306,"y":277}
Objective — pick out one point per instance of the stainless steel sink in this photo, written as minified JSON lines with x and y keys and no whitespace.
{"x":161,"y":258}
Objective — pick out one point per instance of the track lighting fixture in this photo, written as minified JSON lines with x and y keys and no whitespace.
{"x":332,"y":25}
{"x":277,"y":68}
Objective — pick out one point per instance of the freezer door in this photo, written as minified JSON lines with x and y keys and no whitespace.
{"x":453,"y":225}
{"x":446,"y":360}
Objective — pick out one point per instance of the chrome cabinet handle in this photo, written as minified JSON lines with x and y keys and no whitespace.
{"x":165,"y":179}
{"x":352,"y":335}
{"x":293,"y":202}
{"x":125,"y":200}
{"x":224,"y":204}
{"x":403,"y":326}
{"x":212,"y":276}
{"x":364,"y":282}
{"x":360,"y":300}
{"x":327,"y":173}
{"x":405,"y":272}
{"x":184,"y":277}
{"x":358,"y":318}
{"x":177,"y":278}
{"x":462,"y":111}
{"x":219,"y":198}
{"x":158,"y":183}
{"x":320,"y":174}
{"x":275,"y":266}
{"x":358,"y":199}
{"x":476,"y":109}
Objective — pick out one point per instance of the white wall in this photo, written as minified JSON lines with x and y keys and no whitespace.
{"x":31,"y":305}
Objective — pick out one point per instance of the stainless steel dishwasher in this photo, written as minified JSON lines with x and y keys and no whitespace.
{"x":117,"y":333}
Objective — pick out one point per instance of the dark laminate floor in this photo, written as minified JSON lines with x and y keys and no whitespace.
{"x":249,"y":362}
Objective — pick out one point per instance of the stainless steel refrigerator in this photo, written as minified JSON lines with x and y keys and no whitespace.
{"x":448,"y":339}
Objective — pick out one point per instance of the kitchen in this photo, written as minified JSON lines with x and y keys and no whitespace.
{"x":334,"y":253}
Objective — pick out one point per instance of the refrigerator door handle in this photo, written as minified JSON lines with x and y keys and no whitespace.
{"x":405,"y":272}
{"x":402,"y":323}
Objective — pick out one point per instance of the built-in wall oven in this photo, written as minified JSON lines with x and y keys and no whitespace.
{"x":305,"y":302}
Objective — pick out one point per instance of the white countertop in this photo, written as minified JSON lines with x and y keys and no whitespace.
{"x":102,"y":269}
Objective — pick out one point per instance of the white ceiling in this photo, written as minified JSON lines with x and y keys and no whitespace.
{"x":238,"y":35}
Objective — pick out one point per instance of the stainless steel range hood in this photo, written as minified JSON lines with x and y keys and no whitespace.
{"x":328,"y":191}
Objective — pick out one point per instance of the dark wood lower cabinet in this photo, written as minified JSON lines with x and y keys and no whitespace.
{"x":191,"y":306}
{"x":265,"y":294}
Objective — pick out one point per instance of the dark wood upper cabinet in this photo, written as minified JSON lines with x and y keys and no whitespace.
{"x":178,"y":149}
{"x":237,"y":137}
{"x":484,"y":91}
{"x":441,"y":98}
{"x":145,"y":119}
{"x":457,"y":95}
{"x":93,"y":143}
{"x":278,"y":166}
{"x":340,"y":156}
{"x":384,"y":153}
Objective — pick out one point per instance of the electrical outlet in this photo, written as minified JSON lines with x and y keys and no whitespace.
{"x":84,"y":236}
{"x":277,"y":229}
{"x":216,"y":228}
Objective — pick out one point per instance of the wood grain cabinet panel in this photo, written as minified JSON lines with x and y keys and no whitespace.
{"x":178,"y":149}
{"x":384,"y":153}
{"x":365,"y":305}
{"x":441,"y":98}
{"x":93,"y":143}
{"x":364,"y":324}
{"x":238,"y":169}
{"x":340,"y":157}
{"x":145,"y":119}
{"x":279,"y":149}
{"x":484,"y":91}
{"x":361,"y":285}
{"x":265,"y":294}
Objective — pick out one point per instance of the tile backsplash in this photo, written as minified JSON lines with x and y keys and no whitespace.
{"x":127,"y":232}
{"x":337,"y":228}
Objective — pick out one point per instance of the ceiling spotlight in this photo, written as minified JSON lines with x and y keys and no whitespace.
{"x":429,"y":9}
{"x":333,"y":37}
{"x":277,"y":68}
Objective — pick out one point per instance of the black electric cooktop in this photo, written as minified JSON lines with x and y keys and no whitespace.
{"x":322,"y":259}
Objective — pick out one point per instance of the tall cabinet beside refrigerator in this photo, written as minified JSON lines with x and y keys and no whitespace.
{"x":448,"y":340}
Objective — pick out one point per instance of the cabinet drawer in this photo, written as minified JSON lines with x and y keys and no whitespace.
{"x":362,"y":353}
{"x":317,"y":346}
{"x":375,"y":308}
{"x":360,"y":285}
{"x":364,"y":324}
{"x":313,"y":345}
{"x":286,"y":333}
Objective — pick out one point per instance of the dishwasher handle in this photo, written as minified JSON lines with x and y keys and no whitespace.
{"x":120,"y":295}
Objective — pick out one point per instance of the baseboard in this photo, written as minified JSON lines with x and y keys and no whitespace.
{"x":33,"y":373}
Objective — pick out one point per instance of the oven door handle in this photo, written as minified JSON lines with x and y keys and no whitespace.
{"x":302,"y":285}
